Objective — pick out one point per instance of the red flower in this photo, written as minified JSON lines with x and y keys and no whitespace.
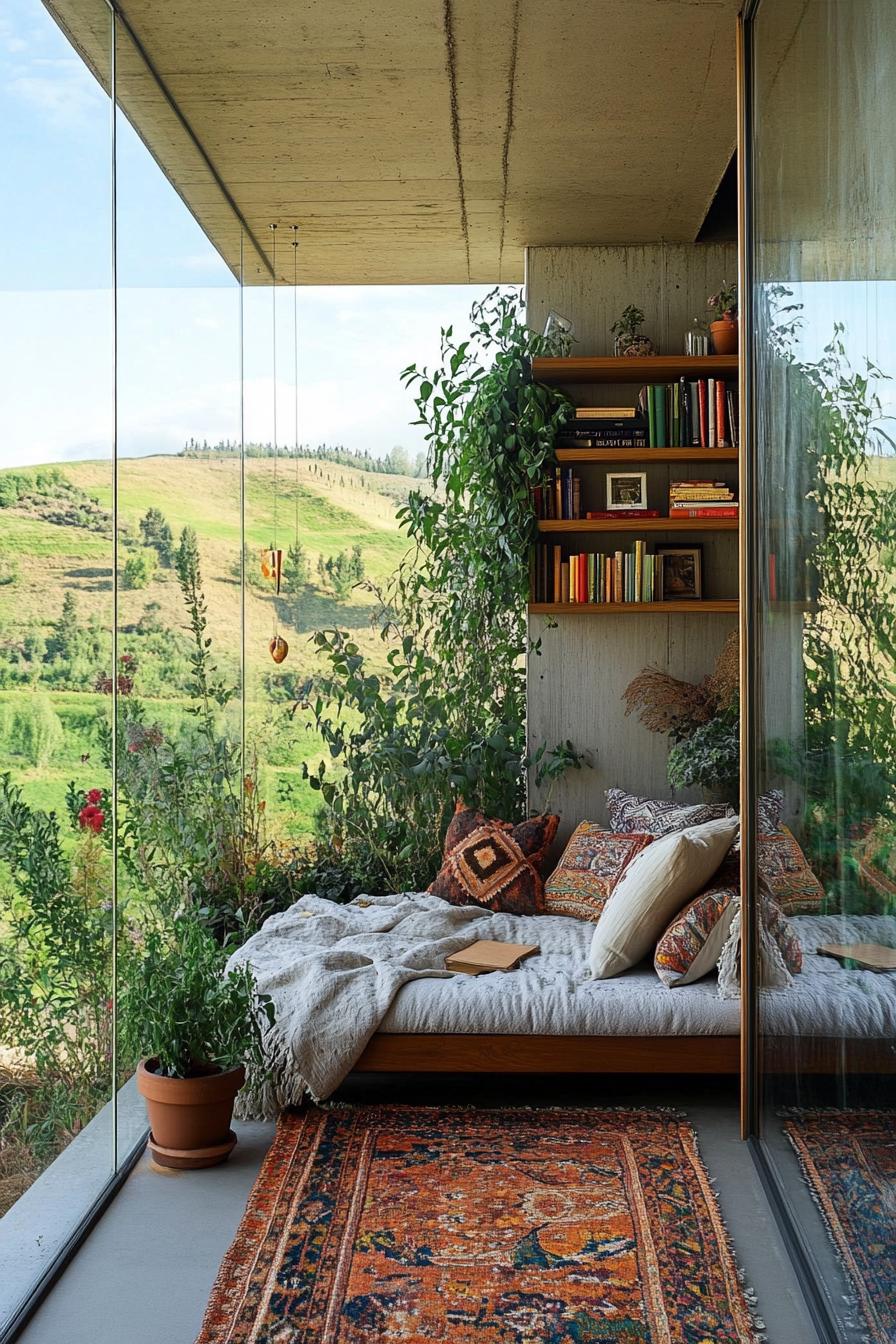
{"x":91,"y":818}
{"x":94,"y":796}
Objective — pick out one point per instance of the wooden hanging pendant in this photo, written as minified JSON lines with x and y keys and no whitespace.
{"x":278,"y":648}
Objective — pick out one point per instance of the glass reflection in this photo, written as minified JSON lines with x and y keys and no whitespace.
{"x":825,"y":328}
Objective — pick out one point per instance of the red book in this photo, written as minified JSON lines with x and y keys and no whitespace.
{"x":583,"y":578}
{"x":724,"y":511}
{"x":722,"y":439}
{"x":603,"y":515}
{"x":704,"y":413}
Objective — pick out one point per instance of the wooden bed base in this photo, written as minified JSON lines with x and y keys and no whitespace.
{"x":421,"y":1053}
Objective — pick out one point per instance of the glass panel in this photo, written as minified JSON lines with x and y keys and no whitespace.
{"x":179,"y":757}
{"x":56,"y":620}
{"x":824,"y":312}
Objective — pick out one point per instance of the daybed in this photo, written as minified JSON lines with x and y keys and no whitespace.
{"x":546,"y":1017}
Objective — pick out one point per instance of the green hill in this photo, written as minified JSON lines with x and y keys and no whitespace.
{"x":44,"y":556}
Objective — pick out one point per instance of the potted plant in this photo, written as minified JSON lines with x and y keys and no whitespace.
{"x":627,"y":330}
{"x":724,"y":329}
{"x":197,"y":1027}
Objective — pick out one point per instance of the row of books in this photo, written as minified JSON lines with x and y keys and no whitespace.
{"x":701,"y":499}
{"x":560,"y":496}
{"x":593,"y":577}
{"x":701,"y":414}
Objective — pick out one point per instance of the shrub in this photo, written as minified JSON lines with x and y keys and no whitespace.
{"x":139,"y":568}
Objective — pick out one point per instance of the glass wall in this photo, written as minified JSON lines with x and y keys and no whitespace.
{"x":823,"y":315}
{"x":57,"y":429}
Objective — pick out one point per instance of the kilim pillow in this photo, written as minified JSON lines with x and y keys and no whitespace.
{"x":591,"y":865}
{"x":496,"y":865}
{"x":631,"y":815}
{"x":693,"y":942}
{"x":785,"y":875}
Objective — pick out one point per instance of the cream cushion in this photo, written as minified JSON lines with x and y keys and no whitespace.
{"x":653,"y":888}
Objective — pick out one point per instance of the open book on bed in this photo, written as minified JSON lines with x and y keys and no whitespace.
{"x":485,"y":955}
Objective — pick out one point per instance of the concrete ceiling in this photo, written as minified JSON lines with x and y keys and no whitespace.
{"x":431,"y":141}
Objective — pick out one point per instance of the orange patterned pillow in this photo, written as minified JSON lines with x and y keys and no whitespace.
{"x":786,"y":876}
{"x":591,"y":865}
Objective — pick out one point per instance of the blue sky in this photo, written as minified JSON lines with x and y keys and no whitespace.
{"x":178,"y":304}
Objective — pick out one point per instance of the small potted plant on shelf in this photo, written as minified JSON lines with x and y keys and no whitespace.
{"x":197,"y":1027}
{"x":724,"y":328}
{"x":629,"y":342}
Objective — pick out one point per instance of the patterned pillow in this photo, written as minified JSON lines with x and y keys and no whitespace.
{"x":658,"y":816}
{"x":785,"y":875}
{"x":769,"y":807}
{"x":496,"y":865}
{"x":464,"y":822}
{"x":591,"y":865}
{"x":693,"y":942}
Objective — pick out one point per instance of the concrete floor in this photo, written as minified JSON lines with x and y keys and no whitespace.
{"x":144,"y":1274}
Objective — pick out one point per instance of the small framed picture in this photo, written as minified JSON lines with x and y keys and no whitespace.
{"x":682,"y":572}
{"x":626,"y":490}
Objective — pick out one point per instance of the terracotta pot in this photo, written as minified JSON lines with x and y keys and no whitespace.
{"x":190,"y":1117}
{"x":724,"y":336}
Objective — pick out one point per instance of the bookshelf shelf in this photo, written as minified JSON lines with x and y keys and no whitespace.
{"x":706,"y":605}
{"x":645,"y":369}
{"x":637,"y":525}
{"x":635,"y":455}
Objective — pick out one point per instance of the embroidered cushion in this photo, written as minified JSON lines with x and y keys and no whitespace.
{"x":784,"y":934}
{"x":464,"y":821}
{"x":496,"y":865}
{"x":591,"y":865}
{"x":785,"y":875}
{"x":630,"y":814}
{"x":654,"y":887}
{"x":693,"y":942}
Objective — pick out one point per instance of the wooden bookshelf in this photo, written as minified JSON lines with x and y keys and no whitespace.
{"x":645,"y":369}
{"x":637,"y":525}
{"x":705,"y":605}
{"x":637,"y":455}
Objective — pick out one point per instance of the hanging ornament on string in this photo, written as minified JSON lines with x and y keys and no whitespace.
{"x":272,"y":558}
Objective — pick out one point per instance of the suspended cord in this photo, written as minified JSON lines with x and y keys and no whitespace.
{"x":295,"y":357}
{"x":274,"y":362}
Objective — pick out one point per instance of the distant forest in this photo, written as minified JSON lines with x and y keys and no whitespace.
{"x":397,"y":462}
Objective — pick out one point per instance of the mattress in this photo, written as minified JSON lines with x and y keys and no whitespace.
{"x":551,"y":994}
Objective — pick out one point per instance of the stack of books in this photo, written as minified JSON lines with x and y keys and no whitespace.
{"x":597,"y":577}
{"x":701,"y":414}
{"x":701,"y":499}
{"x":604,"y":427}
{"x":560,"y":496}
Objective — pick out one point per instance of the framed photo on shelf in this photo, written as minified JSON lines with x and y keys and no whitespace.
{"x":682,"y":572}
{"x":626,"y":490}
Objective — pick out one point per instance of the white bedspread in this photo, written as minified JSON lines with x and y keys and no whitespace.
{"x":337,"y":974}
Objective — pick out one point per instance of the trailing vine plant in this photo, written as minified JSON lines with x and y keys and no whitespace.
{"x":446,"y":718}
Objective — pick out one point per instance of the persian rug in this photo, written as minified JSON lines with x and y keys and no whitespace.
{"x":393,"y":1224}
{"x":849,"y":1161}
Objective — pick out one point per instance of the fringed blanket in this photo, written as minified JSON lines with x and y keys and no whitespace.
{"x":332,"y":972}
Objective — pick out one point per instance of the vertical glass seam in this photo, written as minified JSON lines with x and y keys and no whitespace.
{"x":114,"y":747}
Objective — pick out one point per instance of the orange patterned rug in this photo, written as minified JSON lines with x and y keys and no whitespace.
{"x":398,"y":1225}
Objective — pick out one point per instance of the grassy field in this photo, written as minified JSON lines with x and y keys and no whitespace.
{"x":329,"y":508}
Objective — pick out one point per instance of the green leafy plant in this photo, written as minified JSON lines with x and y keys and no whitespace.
{"x":139,"y":568}
{"x":179,"y":1006}
{"x":723,"y":304}
{"x":445,"y":717}
{"x":627,"y":326}
{"x":709,"y":758}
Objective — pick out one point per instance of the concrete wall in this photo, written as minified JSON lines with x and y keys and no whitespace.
{"x":585,"y":663}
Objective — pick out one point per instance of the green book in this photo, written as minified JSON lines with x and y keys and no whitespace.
{"x":676,"y":417}
{"x":659,"y":415}
{"x":651,"y":416}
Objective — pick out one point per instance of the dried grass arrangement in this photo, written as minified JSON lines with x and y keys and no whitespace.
{"x":665,"y":704}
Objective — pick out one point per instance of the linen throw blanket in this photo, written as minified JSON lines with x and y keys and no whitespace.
{"x":332,"y":972}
